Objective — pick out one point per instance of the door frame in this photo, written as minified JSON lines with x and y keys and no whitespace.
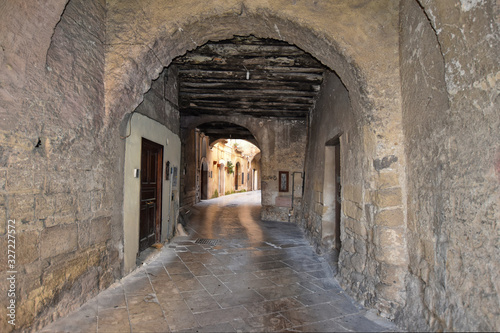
{"x":159,"y":188}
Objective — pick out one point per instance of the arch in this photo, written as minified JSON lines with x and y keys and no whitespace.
{"x":356,"y":41}
{"x":251,"y":125}
{"x":310,"y":29}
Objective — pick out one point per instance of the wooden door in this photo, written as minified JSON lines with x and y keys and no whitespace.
{"x":151,"y":187}
{"x":236,"y":173}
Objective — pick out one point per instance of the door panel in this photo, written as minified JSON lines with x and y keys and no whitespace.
{"x":150,"y":198}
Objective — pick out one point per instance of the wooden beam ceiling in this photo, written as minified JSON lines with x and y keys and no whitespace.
{"x":248,"y":75}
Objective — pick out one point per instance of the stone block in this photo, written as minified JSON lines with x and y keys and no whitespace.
{"x":388,"y":198}
{"x":389,"y":296}
{"x":27,"y":247}
{"x":358,"y":262}
{"x":44,"y":206}
{"x":352,"y":210}
{"x":22,"y":209}
{"x":318,"y":197}
{"x":100,"y":230}
{"x":3,"y":179}
{"x":388,"y":237}
{"x":95,"y":200}
{"x":3,"y":220}
{"x":52,"y":280}
{"x":65,"y":204}
{"x":284,"y":201}
{"x":76,"y":267}
{"x":395,"y":255}
{"x":58,"y":240}
{"x":387,"y":180}
{"x":390,"y":218}
{"x":391,"y":274}
{"x":84,"y":209}
{"x":353,"y":193}
{"x":19,"y":179}
{"x":356,"y":226}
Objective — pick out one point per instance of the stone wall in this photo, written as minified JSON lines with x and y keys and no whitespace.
{"x":59,"y":171}
{"x":282,"y":143}
{"x":423,"y":88}
{"x":450,"y":75}
{"x":372,"y":258}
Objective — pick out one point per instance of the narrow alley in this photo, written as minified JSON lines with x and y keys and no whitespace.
{"x":233,"y":273}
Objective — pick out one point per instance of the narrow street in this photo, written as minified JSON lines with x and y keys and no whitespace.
{"x":233,"y":273}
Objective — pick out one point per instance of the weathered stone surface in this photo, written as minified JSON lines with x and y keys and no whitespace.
{"x":450,"y":105}
{"x":58,"y":240}
{"x":419,"y":82}
{"x":390,"y":218}
{"x":28,"y":247}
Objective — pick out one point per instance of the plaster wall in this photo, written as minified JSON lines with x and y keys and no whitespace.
{"x":144,"y":127}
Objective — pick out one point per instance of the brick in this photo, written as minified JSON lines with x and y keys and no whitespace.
{"x":58,"y":240}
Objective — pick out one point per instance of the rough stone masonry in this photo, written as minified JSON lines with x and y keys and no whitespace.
{"x":411,"y":93}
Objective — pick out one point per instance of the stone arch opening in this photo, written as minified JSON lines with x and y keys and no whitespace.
{"x":373,"y":103}
{"x":224,"y":140}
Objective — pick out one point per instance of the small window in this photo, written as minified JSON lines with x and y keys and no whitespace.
{"x":283,"y":181}
{"x":242,"y":178}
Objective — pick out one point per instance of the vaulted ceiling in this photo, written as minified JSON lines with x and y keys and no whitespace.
{"x":250,"y":76}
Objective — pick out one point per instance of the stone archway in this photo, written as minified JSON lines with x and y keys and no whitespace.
{"x":374,"y":105}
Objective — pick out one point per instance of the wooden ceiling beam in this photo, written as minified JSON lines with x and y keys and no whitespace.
{"x":248,"y":105}
{"x":248,"y":84}
{"x":213,"y":74}
{"x":225,"y":111}
{"x":222,"y":93}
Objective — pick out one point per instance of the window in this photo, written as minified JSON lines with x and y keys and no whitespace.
{"x":283,"y":181}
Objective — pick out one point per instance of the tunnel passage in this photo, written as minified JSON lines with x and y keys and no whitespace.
{"x":258,"y":89}
{"x":408,"y":106}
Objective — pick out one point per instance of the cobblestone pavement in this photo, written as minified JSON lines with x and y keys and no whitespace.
{"x":249,"y":276}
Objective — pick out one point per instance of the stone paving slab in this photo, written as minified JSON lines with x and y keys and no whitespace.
{"x":260,"y":277}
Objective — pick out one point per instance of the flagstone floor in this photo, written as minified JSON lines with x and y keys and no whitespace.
{"x":249,"y":276}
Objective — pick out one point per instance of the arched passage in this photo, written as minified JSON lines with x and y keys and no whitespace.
{"x":374,"y":106}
